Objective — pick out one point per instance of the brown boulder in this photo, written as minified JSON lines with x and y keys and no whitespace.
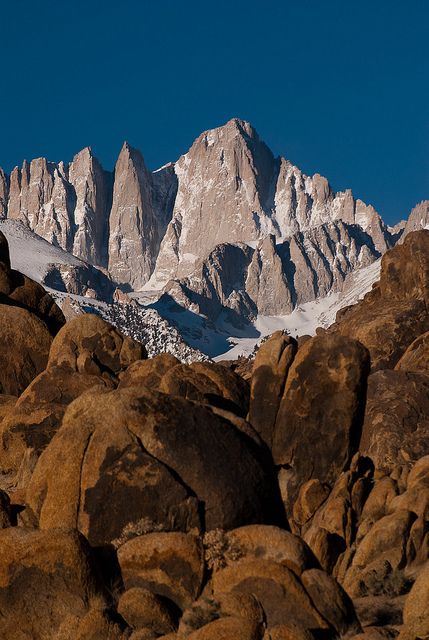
{"x":319,"y":420}
{"x":287,"y":632}
{"x":331,"y":601}
{"x":416,"y":357}
{"x":278,"y":589}
{"x":36,"y":416}
{"x":24,"y":347}
{"x":270,"y":370}
{"x":89,"y":344}
{"x":23,"y":292}
{"x":18,"y":290}
{"x":142,"y":608}
{"x":405,"y":269}
{"x":147,"y":373}
{"x":104,"y":462}
{"x":169,"y":564}
{"x":394,"y":313}
{"x":208,"y":384}
{"x":272,"y":543}
{"x":312,"y":495}
{"x":382,"y":550}
{"x":226,"y":629}
{"x":46,"y":583}
{"x":396,"y":425}
{"x":416,"y":609}
{"x":156,"y":461}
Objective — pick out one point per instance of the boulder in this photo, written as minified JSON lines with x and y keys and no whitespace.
{"x":208,"y":384}
{"x":270,"y":370}
{"x":158,"y":462}
{"x":394,"y":313}
{"x":277,"y":588}
{"x":24,"y":347}
{"x":23,"y":292}
{"x":140,"y":607}
{"x":169,"y":564}
{"x":89,"y":344}
{"x":18,"y":290}
{"x":36,"y":416}
{"x":227,"y":628}
{"x":147,"y":373}
{"x":331,"y":601}
{"x":416,"y":609}
{"x":396,"y":425}
{"x":382,"y":550}
{"x":416,"y":357}
{"x":312,"y":495}
{"x":272,"y":543}
{"x":287,"y":632}
{"x":46,"y":580}
{"x":319,"y":419}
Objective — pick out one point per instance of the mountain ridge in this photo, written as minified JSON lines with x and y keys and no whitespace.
{"x":228,"y":231}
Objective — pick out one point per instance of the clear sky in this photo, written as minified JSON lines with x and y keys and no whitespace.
{"x":340,"y":87}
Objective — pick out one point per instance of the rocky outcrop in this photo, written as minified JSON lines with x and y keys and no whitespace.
{"x":199,"y":464}
{"x":40,"y":197}
{"x":394,"y":313}
{"x":229,"y":169}
{"x":90,"y":220}
{"x":133,"y":235}
{"x":321,"y":403}
{"x":49,"y":587}
{"x":29,"y":319}
{"x":293,"y":238}
{"x":4,"y":192}
{"x":418,"y":218}
{"x":272,"y":279}
{"x":396,"y":425}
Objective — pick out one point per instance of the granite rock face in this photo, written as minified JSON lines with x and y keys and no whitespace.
{"x":291,"y":238}
{"x":133,"y":239}
{"x":232,"y":189}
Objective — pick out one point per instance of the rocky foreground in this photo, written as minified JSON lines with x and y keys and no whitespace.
{"x":288,"y":500}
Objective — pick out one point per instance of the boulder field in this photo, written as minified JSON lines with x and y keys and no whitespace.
{"x":144,"y":498}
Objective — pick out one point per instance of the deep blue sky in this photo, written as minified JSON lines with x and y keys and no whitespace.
{"x":337,"y":86}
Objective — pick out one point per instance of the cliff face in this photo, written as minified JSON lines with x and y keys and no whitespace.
{"x":152,"y":228}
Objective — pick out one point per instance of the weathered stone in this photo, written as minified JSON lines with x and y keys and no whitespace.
{"x":416,"y":357}
{"x":396,"y":425}
{"x":36,"y":416}
{"x":148,"y":372}
{"x":287,"y":632}
{"x":45,"y":577}
{"x":380,"y":551}
{"x":278,"y":589}
{"x":141,"y":608}
{"x":168,"y":564}
{"x":319,"y":419}
{"x":331,"y":601}
{"x":225,"y":629}
{"x":270,"y":370}
{"x":393,"y":314}
{"x":157,"y":461}
{"x":271,"y":543}
{"x":416,"y":609}
{"x":198,"y":384}
{"x":312,"y":495}
{"x":89,"y":337}
{"x":24,"y":347}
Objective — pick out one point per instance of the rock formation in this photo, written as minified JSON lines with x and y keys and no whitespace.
{"x":143,"y":498}
{"x":168,"y":230}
